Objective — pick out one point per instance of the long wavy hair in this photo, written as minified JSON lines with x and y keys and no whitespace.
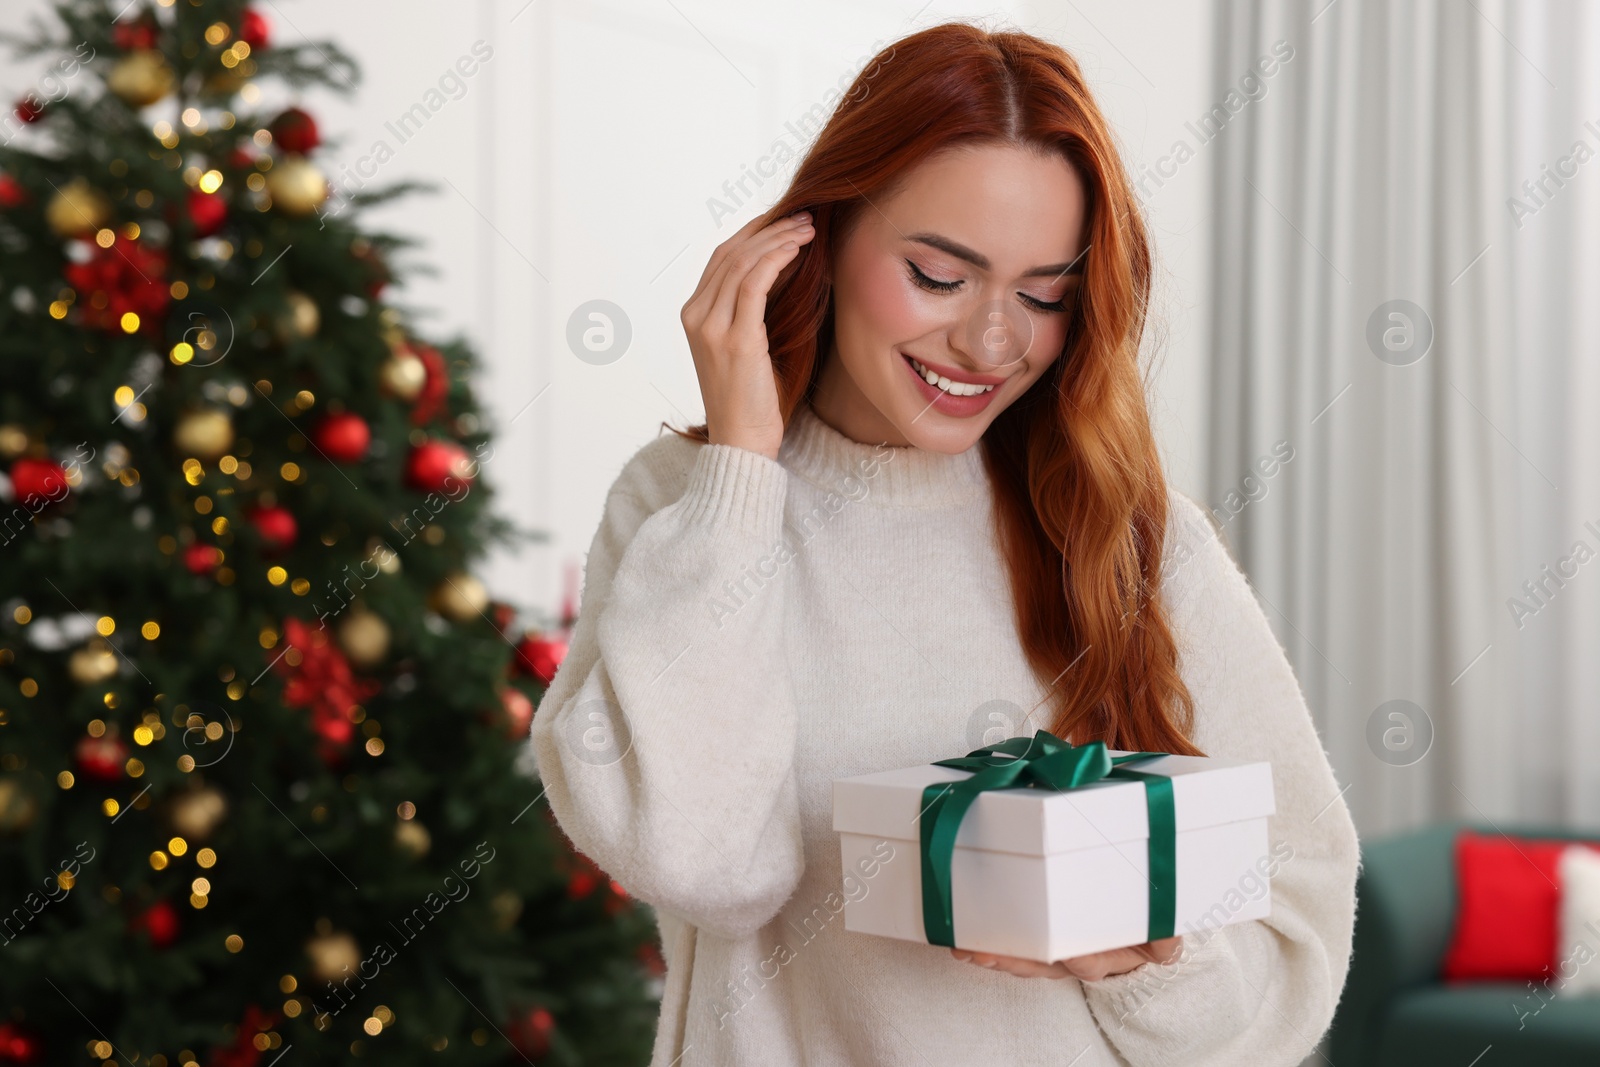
{"x":1081,"y":501}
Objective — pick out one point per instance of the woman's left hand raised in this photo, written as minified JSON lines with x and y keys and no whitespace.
{"x":1090,"y":968}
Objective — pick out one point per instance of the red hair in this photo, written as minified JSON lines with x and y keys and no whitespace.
{"x":1081,"y":501}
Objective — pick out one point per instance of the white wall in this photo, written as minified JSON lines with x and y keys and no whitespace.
{"x":577,"y":163}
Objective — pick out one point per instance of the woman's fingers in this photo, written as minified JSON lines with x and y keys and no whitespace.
{"x":737,"y":267}
{"x":1024,"y":968}
{"x":749,"y":326}
{"x":1011,"y":964}
{"x":1165,"y":950}
{"x":711,"y":281}
{"x":720,"y":253}
{"x":1098,"y":965}
{"x":725,"y":322}
{"x":1088,"y":968}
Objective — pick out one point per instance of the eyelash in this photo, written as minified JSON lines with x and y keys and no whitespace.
{"x":934,"y":286}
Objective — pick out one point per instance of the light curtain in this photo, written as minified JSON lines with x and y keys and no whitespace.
{"x":1430,"y":154}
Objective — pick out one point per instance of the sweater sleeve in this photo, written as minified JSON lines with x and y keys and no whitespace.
{"x":666,"y":739}
{"x":1263,"y":991}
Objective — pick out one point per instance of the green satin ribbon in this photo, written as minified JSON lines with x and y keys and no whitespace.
{"x":1042,"y":761}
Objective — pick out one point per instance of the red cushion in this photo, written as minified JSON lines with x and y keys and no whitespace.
{"x":1508,"y":902}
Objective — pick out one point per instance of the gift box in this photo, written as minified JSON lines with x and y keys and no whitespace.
{"x":1043,"y":850}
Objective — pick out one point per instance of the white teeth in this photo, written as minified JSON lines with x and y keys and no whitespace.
{"x":946,"y":385}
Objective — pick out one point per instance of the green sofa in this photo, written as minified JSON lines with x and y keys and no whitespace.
{"x":1396,"y":1012}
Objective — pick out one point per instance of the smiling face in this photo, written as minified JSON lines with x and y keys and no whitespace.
{"x":969,"y":270}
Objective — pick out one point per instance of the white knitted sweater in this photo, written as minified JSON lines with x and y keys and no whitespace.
{"x":752,"y":630}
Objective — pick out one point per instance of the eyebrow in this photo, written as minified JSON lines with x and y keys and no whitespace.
{"x":981,"y":261}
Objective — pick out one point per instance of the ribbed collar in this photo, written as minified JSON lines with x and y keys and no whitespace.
{"x":898,"y":475}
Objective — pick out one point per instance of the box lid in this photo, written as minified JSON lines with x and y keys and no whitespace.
{"x":1038,"y":822}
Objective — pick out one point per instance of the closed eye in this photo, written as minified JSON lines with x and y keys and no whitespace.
{"x":930,"y":284}
{"x":933,"y":285}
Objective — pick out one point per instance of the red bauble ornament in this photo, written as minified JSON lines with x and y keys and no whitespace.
{"x":134,"y":34}
{"x":435,"y":385}
{"x":12,"y":193}
{"x":254,"y":29}
{"x":100,"y":758}
{"x":132,"y":276}
{"x":342,"y":437}
{"x":242,"y":158}
{"x":275,"y":526}
{"x":30,"y":109}
{"x":586,"y":876}
{"x":38,"y":481}
{"x":529,"y":1033}
{"x":208,"y":211}
{"x":295,"y":131}
{"x":323,"y":682}
{"x":519,"y":712}
{"x":431,"y":465}
{"x":243,"y":1052}
{"x":19,"y":1045}
{"x":539,"y":656}
{"x":335,"y":731}
{"x":650,"y":956}
{"x":201,"y":559}
{"x":160,"y":921}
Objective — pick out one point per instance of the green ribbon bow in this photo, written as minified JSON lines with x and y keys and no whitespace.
{"x":1042,"y":761}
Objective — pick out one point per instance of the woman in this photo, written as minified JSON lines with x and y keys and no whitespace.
{"x":926,"y":484}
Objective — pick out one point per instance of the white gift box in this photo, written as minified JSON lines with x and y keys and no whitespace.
{"x":1046,"y":875}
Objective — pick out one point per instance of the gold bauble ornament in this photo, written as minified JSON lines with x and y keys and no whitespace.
{"x":506,"y":907}
{"x":296,"y":186}
{"x":17,"y":806}
{"x":460,"y":597}
{"x":13,"y":441}
{"x":403,"y":375}
{"x":195,"y":814}
{"x":204,"y":434}
{"x":141,"y":78}
{"x":300,"y":321}
{"x":412,"y":838}
{"x":379,"y":552}
{"x":364,"y":636}
{"x":333,"y":956}
{"x":77,"y":209}
{"x":92,"y":664}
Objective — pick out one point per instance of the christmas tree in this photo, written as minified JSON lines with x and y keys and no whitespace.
{"x":258,"y":720}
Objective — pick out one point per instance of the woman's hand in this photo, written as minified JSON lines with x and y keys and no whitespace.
{"x":726,"y":321}
{"x":1090,"y":968}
